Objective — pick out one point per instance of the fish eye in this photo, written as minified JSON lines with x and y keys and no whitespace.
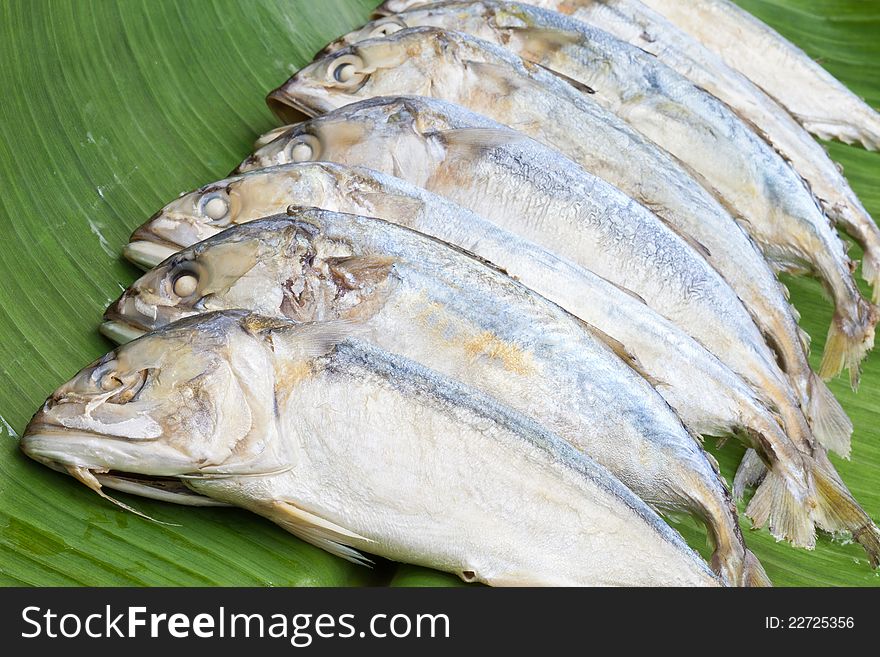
{"x":185,"y":283}
{"x":384,"y":29}
{"x":303,"y":148}
{"x":110,"y":381}
{"x":215,"y":206}
{"x":346,"y":70}
{"x":104,"y":374}
{"x":131,"y":390}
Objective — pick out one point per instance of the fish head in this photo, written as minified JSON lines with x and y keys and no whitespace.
{"x":419,"y":61}
{"x":195,"y":399}
{"x":188,"y":219}
{"x":375,"y":29}
{"x":207,"y":211}
{"x":395,"y":135}
{"x":284,"y":266}
{"x":198,"y":279}
{"x":478,"y":19}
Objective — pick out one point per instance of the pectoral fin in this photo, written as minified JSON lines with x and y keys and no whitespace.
{"x":625,"y":355}
{"x":357,"y":272}
{"x":318,"y":531}
{"x":478,"y":139}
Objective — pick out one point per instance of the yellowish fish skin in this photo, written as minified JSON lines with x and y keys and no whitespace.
{"x":352,"y":448}
{"x":412,"y":295}
{"x":492,"y":82}
{"x":636,"y":23}
{"x":816,"y":98}
{"x":720,"y":150}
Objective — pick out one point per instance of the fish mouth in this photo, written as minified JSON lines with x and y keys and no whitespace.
{"x":146,"y":254}
{"x":39,"y":443}
{"x":120,"y":329}
{"x":120,"y":332}
{"x":380,"y":12}
{"x":146,"y":249}
{"x":164,"y":489}
{"x":288,"y":107}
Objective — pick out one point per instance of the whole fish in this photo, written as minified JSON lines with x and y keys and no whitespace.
{"x":412,"y":295}
{"x":815,"y":97}
{"x":721,"y":151}
{"x":354,"y":450}
{"x":706,"y":395}
{"x":493,"y":82}
{"x":635,"y":23}
{"x":534,"y":192}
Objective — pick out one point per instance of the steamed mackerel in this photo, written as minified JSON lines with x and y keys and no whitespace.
{"x":721,"y":151}
{"x":533,"y":191}
{"x":370,"y":452}
{"x":815,"y":97}
{"x":489,"y":80}
{"x":641,"y":26}
{"x":414,"y":296}
{"x":705,"y":394}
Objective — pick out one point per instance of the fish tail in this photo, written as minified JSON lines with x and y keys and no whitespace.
{"x":862,"y":128}
{"x":786,"y":516}
{"x":830,"y":423}
{"x":849,"y":339}
{"x":749,"y":473}
{"x":837,"y":510}
{"x":731,"y":559}
{"x":868,"y":128}
{"x":753,"y":572}
{"x":871,"y":272}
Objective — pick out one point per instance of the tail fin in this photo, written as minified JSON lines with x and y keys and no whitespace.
{"x":730,"y":557}
{"x":871,"y":273}
{"x":750,"y":472}
{"x":753,"y":572}
{"x":838,"y":511}
{"x":787,"y":517}
{"x":736,"y":564}
{"x":830,"y":424}
{"x":849,"y":339}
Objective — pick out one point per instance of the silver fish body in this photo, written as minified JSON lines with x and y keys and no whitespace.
{"x":414,"y":296}
{"x":369,"y":452}
{"x":634,"y":22}
{"x":825,"y":106}
{"x":719,"y":149}
{"x":536,"y":193}
{"x":490,"y":81}
{"x":706,"y":395}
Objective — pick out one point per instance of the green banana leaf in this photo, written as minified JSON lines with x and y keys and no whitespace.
{"x":109,"y":110}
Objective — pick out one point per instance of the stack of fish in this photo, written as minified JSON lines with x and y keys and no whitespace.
{"x":478,"y":305}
